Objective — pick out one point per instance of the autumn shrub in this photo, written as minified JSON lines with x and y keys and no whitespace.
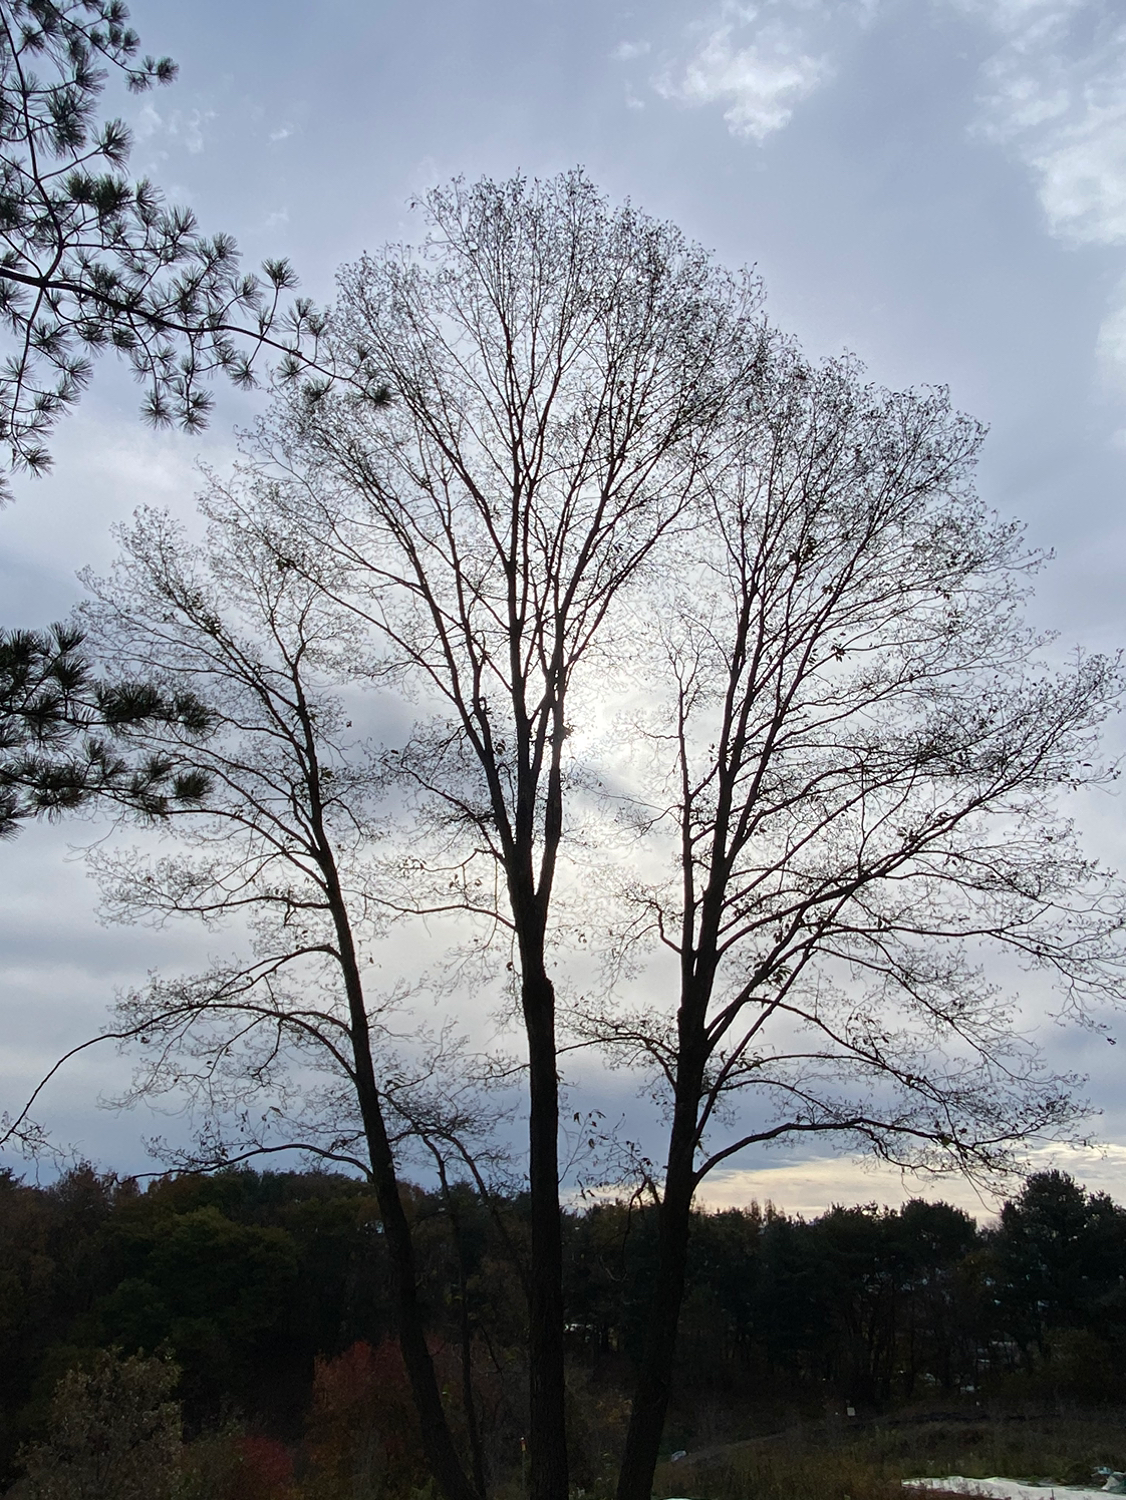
{"x":362,"y":1436}
{"x":230,"y":1465}
{"x":113,"y":1433}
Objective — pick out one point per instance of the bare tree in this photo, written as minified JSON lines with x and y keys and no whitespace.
{"x":564,"y":448}
{"x":855,"y":778}
{"x":557,"y":372}
{"x":285,"y":1048}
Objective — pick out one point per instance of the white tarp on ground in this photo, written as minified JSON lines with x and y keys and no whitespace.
{"x":1006,"y":1489}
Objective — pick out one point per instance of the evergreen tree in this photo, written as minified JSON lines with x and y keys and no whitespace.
{"x":91,"y":260}
{"x":64,"y":733}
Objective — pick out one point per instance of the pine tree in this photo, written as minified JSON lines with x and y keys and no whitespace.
{"x":64,"y":733}
{"x":90,"y":260}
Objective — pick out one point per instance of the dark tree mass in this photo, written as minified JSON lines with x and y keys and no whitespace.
{"x":273,"y":1297}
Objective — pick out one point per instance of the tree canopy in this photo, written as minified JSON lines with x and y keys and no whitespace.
{"x":269,"y":1291}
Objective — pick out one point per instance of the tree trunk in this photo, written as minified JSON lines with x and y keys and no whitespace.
{"x":548,"y":1430}
{"x":437,"y":1440}
{"x":468,"y":1397}
{"x":654,"y":1378}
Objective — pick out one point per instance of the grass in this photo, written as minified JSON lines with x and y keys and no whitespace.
{"x":832,"y":1461}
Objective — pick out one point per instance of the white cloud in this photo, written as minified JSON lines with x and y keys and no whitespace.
{"x":282,"y":133}
{"x":627,"y":51}
{"x":148,"y":121}
{"x":1053,"y":91}
{"x":763,"y":81}
{"x":189,"y":126}
{"x":1054,"y":94}
{"x":1111,"y":347}
{"x":762,"y":60}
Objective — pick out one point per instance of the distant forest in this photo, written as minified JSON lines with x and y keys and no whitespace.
{"x":271,"y":1294}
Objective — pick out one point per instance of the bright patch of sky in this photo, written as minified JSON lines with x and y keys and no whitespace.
{"x":812,"y":1187}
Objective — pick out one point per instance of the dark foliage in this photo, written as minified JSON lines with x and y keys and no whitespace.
{"x":64,"y":733}
{"x":272,"y":1294}
{"x":114,"y":1430}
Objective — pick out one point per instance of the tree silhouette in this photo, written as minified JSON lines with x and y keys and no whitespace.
{"x":859,"y":755}
{"x":282,"y":838}
{"x":556,"y":367}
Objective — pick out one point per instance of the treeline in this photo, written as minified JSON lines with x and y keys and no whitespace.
{"x":271,"y":1294}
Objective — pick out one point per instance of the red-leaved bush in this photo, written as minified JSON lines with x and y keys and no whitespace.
{"x":362,"y":1431}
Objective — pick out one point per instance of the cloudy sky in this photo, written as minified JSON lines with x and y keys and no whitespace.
{"x":936,"y":185}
